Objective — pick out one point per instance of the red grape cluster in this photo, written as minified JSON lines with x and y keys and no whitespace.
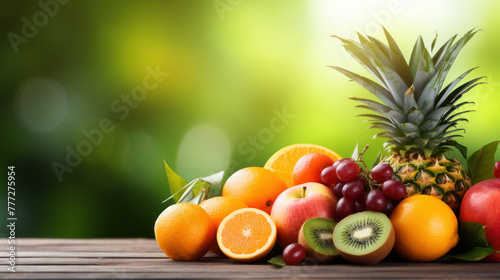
{"x":361,"y":190}
{"x":496,"y":171}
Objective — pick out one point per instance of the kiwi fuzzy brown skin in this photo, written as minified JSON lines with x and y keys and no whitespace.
{"x":373,"y":257}
{"x":310,"y":252}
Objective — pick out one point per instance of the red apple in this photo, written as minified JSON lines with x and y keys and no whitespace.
{"x":298,"y":204}
{"x":480,"y":205}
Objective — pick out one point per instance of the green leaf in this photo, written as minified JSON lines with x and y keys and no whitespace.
{"x":461,"y":90}
{"x":434,"y":42}
{"x":199,"y":198}
{"x":380,"y":107}
{"x":473,"y":234}
{"x":430,"y":92}
{"x":355,"y":153}
{"x":424,"y":68}
{"x":481,"y":164}
{"x":383,"y":94}
{"x":439,"y":54}
{"x":277,"y":261}
{"x":199,"y":189}
{"x":175,"y":182}
{"x":398,"y":60}
{"x":359,"y":54}
{"x":416,"y":55}
{"x":448,"y":89}
{"x":384,"y":66}
{"x":461,"y":148}
{"x":472,"y":245}
{"x":415,"y":116}
{"x":216,"y":180}
{"x":203,"y":188}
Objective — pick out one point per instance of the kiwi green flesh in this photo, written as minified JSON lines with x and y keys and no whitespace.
{"x":364,"y":238}
{"x":316,"y":235}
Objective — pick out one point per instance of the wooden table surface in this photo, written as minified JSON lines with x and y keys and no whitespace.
{"x":142,"y":259}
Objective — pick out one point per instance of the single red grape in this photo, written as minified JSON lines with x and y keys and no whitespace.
{"x":338,"y":162}
{"x":388,"y":207}
{"x":294,"y":254}
{"x":393,"y":189}
{"x":348,"y":170}
{"x":353,"y":189}
{"x":359,"y":203}
{"x":337,"y":190}
{"x":497,"y":169}
{"x":329,"y":176}
{"x":362,"y":179}
{"x":345,"y":207}
{"x":382,"y":172}
{"x":375,"y":201}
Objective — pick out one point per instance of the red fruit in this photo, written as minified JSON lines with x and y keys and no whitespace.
{"x":388,"y":208}
{"x":298,"y":204}
{"x":345,"y":207}
{"x":382,"y":172}
{"x":294,"y":254}
{"x":329,"y":176}
{"x":375,"y":201}
{"x":359,"y":203}
{"x":337,"y":190}
{"x":480,"y":205}
{"x":362,"y":179}
{"x":348,"y":170}
{"x":353,"y":190}
{"x":309,"y":167}
{"x":496,"y":172}
{"x":338,"y":162}
{"x":393,"y":189}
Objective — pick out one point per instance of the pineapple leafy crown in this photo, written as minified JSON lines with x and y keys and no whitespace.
{"x":416,"y":112}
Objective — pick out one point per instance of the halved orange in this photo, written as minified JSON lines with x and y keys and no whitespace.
{"x":284,"y":160}
{"x":246,"y":235}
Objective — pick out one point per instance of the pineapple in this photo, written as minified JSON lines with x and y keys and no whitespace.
{"x":416,"y":113}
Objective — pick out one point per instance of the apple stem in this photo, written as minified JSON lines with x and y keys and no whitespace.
{"x":304,"y":188}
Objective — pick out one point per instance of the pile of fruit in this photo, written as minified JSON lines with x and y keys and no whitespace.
{"x":309,"y":203}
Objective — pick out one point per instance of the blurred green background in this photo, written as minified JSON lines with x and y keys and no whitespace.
{"x":245,"y":78}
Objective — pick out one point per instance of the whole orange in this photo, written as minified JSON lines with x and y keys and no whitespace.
{"x":283,"y":161}
{"x":184,"y":232}
{"x":255,"y":186}
{"x":308,"y":168}
{"x":218,"y":208}
{"x":426,"y":228}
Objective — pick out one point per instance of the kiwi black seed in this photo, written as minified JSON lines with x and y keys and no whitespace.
{"x":364,"y":238}
{"x":316,"y":236}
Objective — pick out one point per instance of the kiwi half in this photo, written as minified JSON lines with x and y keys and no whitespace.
{"x":364,"y":238}
{"x":316,"y":236}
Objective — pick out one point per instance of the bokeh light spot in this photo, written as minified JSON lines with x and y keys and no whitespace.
{"x":204,"y":150}
{"x":41,"y":104}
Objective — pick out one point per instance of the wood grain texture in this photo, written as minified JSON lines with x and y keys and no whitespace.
{"x":142,"y":259}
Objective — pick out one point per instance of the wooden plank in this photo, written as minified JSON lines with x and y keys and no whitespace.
{"x":91,"y":261}
{"x":114,"y":254}
{"x":235,"y":268}
{"x":141,"y":258}
{"x":91,"y":248}
{"x":257,"y":272}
